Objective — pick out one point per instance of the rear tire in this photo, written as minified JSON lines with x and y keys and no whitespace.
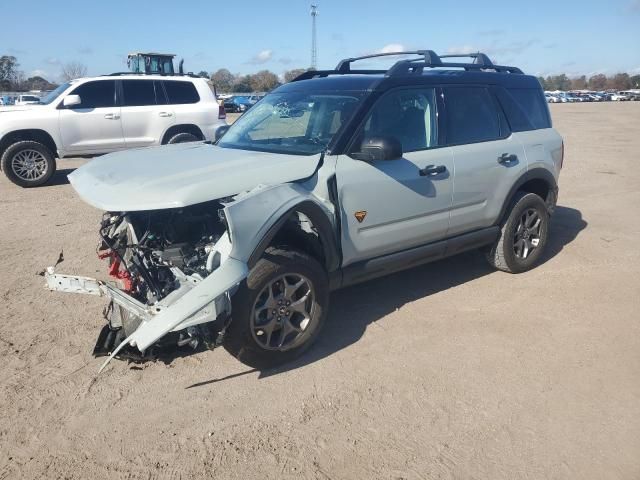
{"x":523,"y":235}
{"x":28,"y":163}
{"x":273,"y":321}
{"x":183,"y":137}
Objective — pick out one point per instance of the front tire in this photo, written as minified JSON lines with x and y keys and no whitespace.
{"x":28,"y":163}
{"x":183,"y":137}
{"x":279,"y":310}
{"x":523,"y":235}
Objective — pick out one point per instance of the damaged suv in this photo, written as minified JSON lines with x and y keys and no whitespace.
{"x":335,"y":178}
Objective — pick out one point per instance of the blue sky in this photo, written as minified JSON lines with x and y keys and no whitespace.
{"x":541,"y":37}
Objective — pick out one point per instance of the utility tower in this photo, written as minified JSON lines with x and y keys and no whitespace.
{"x":314,"y":46}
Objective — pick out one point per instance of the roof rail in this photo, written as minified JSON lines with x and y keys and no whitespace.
{"x":120,"y":74}
{"x":429,"y":59}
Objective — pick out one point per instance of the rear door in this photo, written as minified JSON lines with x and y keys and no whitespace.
{"x":488,"y":159}
{"x":94,"y":126}
{"x":145,"y":113}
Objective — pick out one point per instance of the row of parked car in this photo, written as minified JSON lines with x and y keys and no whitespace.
{"x":588,"y":96}
{"x":239,"y":103}
{"x":26,"y":99}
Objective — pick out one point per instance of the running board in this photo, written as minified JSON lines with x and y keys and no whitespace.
{"x":394,"y":262}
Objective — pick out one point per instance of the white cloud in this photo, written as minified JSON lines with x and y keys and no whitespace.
{"x":38,"y":73}
{"x":462,"y":50}
{"x":53,"y":61}
{"x":392,"y":47}
{"x":261,"y":57}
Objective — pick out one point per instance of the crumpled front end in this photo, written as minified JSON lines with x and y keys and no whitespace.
{"x":176,"y":269}
{"x":173,"y":273}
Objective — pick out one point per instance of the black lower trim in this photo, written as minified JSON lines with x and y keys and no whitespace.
{"x":384,"y":265}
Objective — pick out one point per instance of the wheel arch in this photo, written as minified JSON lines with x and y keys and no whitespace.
{"x":283,"y":210}
{"x":537,"y":180}
{"x":33,"y":134}
{"x":182,"y":128}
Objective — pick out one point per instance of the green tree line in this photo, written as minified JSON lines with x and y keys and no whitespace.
{"x":619,"y":81}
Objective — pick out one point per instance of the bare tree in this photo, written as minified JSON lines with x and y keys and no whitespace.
{"x":263,"y":81}
{"x":73,"y":70}
{"x":223,"y":79}
{"x":291,"y":74}
{"x":8,"y":68}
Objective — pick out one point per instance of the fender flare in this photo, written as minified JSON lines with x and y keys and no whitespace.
{"x":275,"y":205}
{"x":533,"y":174}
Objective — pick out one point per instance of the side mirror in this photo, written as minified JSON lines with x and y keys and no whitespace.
{"x":221,"y":131}
{"x":379,"y":148}
{"x":71,"y":100}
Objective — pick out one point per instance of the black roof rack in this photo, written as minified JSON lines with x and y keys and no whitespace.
{"x":429,"y":59}
{"x":121,"y":74}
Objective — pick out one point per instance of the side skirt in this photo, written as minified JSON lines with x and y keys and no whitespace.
{"x":384,"y":265}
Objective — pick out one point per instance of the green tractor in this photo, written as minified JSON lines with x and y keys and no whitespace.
{"x":152,"y":63}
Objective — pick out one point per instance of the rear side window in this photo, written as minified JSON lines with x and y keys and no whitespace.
{"x":532,"y":102}
{"x":97,"y":94}
{"x":181,"y":92}
{"x":472,"y":115}
{"x":138,"y":93}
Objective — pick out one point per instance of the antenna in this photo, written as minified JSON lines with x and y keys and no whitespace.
{"x":314,"y":46}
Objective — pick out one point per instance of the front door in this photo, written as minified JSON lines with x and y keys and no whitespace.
{"x":389,"y":206}
{"x":94,"y":126}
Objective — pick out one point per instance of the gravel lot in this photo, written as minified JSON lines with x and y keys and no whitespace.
{"x":450,"y":370}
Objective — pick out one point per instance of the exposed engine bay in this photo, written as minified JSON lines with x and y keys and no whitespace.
{"x":152,"y":254}
{"x":143,"y":247}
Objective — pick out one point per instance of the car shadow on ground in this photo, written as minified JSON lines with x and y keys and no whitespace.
{"x":59,"y":177}
{"x":354,"y":308}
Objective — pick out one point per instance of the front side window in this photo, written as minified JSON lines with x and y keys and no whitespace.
{"x":472,"y":115}
{"x":138,"y":93}
{"x":96,"y":94}
{"x":297,"y":123}
{"x":181,"y":92}
{"x":409,"y":115}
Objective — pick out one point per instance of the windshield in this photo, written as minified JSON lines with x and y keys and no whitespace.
{"x":51,"y":96}
{"x":295,"y":123}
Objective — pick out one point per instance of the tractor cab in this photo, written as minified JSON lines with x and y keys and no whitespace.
{"x":151,"y":63}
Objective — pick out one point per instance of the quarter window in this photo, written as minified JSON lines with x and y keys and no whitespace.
{"x":533,"y":103}
{"x":472,"y":115}
{"x":181,"y":92}
{"x":138,"y":93}
{"x":97,"y":94}
{"x":408,"y":115}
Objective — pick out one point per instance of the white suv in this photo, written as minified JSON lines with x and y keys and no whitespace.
{"x":93,"y":116}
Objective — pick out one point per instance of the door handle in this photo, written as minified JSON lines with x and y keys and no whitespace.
{"x":111,"y":116}
{"x":507,"y":159}
{"x":432,"y":170}
{"x":165,"y":114}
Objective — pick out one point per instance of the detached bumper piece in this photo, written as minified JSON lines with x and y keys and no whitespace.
{"x":108,"y":341}
{"x":195,"y":302}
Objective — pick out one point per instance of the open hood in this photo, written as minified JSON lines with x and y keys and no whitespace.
{"x":174,"y":176}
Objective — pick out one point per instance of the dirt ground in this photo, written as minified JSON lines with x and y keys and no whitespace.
{"x":450,"y":370}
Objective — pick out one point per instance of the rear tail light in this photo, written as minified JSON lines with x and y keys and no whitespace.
{"x":222,"y":115}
